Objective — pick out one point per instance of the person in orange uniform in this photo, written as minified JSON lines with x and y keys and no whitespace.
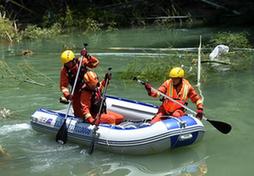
{"x":180,"y":90}
{"x":68,"y":74}
{"x":91,"y":99}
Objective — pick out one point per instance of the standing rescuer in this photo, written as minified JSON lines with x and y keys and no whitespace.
{"x":180,"y":90}
{"x":68,"y":74}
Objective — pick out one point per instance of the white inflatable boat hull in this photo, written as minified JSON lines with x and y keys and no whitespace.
{"x":128,"y":137}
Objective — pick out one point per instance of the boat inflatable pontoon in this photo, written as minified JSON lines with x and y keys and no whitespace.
{"x":133,"y":136}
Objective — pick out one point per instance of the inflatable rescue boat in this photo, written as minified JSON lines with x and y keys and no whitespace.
{"x":133,"y":136}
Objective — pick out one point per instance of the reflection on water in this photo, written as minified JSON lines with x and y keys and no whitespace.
{"x":132,"y":169}
{"x":8,"y":129}
{"x":180,"y":164}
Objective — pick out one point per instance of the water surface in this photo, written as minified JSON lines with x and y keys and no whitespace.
{"x":228,"y":97}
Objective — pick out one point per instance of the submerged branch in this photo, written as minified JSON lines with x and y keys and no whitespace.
{"x":216,"y":61}
{"x":33,"y":82}
{"x":9,"y":37}
{"x":152,"y":49}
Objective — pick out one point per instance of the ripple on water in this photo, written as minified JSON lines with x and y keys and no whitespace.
{"x":7,"y":129}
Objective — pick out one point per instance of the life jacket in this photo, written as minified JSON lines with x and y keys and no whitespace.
{"x":73,"y":72}
{"x":96,"y":101}
{"x":181,"y":97}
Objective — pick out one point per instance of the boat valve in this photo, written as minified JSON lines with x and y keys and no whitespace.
{"x":182,"y":124}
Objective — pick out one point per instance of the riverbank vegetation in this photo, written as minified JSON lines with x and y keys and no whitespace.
{"x":8,"y":28}
{"x":157,"y":68}
{"x":10,"y":32}
{"x":21,"y":18}
{"x":232,"y":40}
{"x":63,"y":17}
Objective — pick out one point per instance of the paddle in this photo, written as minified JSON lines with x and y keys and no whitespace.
{"x":94,"y":135}
{"x":62,"y":134}
{"x":223,"y":127}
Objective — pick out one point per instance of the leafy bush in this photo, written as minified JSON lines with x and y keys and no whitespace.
{"x":8,"y":28}
{"x":92,"y":25}
{"x":233,"y":40}
{"x":69,"y":21}
{"x":157,"y":69}
{"x":35,"y":32}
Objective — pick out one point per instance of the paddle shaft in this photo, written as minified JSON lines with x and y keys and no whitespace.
{"x":91,"y":148}
{"x":75,"y":83}
{"x":185,"y":107}
{"x":103,"y":99}
{"x":164,"y":95}
{"x":73,"y":88}
{"x":221,"y":126}
{"x":62,"y":134}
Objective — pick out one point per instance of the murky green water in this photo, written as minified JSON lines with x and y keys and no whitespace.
{"x":228,"y":97}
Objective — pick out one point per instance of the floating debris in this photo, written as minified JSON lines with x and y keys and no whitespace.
{"x":216,"y":59}
{"x":3,"y":152}
{"x":27,"y":52}
{"x":5,"y":113}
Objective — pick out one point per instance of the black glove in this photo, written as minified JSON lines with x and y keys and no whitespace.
{"x":107,"y":76}
{"x":63,"y":100}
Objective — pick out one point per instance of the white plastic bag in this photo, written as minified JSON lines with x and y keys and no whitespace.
{"x":217,"y":51}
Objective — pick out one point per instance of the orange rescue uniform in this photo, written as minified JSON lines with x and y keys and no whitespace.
{"x":88,"y":98}
{"x":181,"y":93}
{"x":67,"y":77}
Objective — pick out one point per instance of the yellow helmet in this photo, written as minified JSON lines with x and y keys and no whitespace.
{"x":67,"y":56}
{"x":176,"y":72}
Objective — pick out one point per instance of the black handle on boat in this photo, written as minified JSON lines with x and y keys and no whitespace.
{"x":62,"y":134}
{"x":94,"y":133}
{"x":223,"y":127}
